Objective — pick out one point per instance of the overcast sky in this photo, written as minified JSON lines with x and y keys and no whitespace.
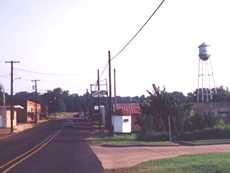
{"x":64,"y":42}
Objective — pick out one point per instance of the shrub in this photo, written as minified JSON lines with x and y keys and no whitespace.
{"x":205,"y":134}
{"x":153,"y":136}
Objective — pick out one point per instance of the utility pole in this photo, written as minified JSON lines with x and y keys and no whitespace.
{"x":115,"y":88}
{"x":11,"y":93}
{"x":110,"y":96}
{"x":87,"y":109}
{"x":170,"y":128}
{"x":36,"y":99}
{"x":98,"y":90}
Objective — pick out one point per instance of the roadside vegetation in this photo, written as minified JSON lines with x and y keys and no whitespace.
{"x":208,"y":163}
{"x":162,"y":109}
{"x":62,"y":114}
{"x":163,"y":112}
{"x":126,"y":140}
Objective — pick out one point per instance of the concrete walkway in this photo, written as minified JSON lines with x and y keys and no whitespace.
{"x":121,"y":157}
{"x":5,"y":132}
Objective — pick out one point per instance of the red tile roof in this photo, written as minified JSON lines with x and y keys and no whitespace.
{"x":127,"y":108}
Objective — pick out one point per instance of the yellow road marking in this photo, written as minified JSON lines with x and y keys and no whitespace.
{"x":29,"y":153}
{"x":24,"y":154}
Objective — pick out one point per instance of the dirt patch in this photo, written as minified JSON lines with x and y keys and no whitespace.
{"x":121,"y":157}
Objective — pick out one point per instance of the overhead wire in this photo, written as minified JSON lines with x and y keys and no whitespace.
{"x":36,"y":74}
{"x":139,"y":30}
{"x":44,"y":73}
{"x":133,"y":37}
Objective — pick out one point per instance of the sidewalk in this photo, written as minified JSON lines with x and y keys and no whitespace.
{"x":5,"y":132}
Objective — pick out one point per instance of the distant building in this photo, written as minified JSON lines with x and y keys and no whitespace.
{"x":31,"y":109}
{"x":29,"y":112}
{"x":5,"y":119}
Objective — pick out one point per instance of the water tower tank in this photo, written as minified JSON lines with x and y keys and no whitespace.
{"x":204,"y":51}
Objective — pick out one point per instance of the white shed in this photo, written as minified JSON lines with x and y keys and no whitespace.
{"x":122,"y":124}
{"x":5,"y":118}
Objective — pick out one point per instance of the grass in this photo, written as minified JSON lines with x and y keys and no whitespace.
{"x":125,"y":139}
{"x":208,"y":142}
{"x":62,"y":114}
{"x":208,"y":163}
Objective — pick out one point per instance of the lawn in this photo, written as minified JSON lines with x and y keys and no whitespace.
{"x":125,"y":139}
{"x":207,"y":142}
{"x":208,"y":163}
{"x":62,"y":114}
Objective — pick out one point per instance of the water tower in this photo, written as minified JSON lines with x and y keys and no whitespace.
{"x":206,"y":82}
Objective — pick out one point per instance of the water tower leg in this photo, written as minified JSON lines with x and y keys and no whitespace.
{"x":198,"y":83}
{"x":202,"y":82}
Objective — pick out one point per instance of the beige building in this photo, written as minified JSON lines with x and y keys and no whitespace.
{"x":31,"y":109}
{"x":5,"y":120}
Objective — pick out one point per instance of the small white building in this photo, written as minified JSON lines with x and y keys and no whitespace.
{"x":122,"y":124}
{"x":125,"y":117}
{"x":5,"y":121}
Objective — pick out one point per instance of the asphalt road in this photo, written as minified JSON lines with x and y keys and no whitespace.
{"x":68,"y":152}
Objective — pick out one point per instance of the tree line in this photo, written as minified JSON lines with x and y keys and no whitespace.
{"x":59,"y":100}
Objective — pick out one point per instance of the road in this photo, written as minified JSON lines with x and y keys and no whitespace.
{"x":59,"y":146}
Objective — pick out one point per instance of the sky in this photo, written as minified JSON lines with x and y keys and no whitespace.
{"x":63,"y":43}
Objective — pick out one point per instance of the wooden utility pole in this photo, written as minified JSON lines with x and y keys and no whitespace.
{"x":110,"y":96}
{"x":11,"y":94}
{"x":36,"y":99}
{"x":98,"y":92}
{"x":87,"y":109}
{"x":115,"y":88}
{"x":170,"y":128}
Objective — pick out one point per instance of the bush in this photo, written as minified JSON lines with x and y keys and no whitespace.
{"x":200,"y":121}
{"x":153,"y":136}
{"x":220,"y":124}
{"x":216,"y":133}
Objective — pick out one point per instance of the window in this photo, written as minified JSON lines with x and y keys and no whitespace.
{"x":126,"y":120}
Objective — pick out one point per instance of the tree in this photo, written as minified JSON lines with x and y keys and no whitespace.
{"x":55,"y":100}
{"x":21,"y":97}
{"x":160,"y":106}
{"x":155,"y":110}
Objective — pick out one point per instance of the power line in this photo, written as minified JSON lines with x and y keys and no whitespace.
{"x":41,"y":73}
{"x":103,"y":71}
{"x":44,"y":73}
{"x":139,"y":30}
{"x":133,"y":37}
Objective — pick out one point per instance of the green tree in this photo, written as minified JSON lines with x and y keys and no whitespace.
{"x":160,"y":106}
